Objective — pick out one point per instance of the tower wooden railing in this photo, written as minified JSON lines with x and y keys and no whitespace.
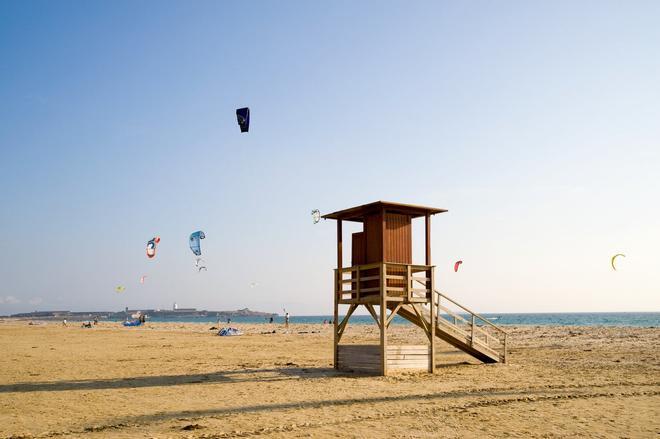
{"x":365,"y":283}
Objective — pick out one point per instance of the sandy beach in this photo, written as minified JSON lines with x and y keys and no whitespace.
{"x":180,"y":380}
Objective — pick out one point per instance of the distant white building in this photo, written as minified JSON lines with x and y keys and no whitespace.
{"x":175,"y":307}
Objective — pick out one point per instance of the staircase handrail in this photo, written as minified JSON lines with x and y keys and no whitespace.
{"x":467,"y":310}
{"x":483,"y":319}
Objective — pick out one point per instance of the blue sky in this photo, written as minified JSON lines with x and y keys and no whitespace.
{"x":535,"y":124}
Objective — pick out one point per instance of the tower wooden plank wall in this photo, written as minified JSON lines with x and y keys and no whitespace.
{"x":398,"y":238}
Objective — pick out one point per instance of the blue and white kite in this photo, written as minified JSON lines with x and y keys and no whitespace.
{"x":195,"y":244}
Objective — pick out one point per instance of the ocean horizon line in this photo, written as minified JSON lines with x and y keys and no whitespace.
{"x":619,"y":318}
{"x":266,"y":313}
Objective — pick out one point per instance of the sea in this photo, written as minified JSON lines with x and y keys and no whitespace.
{"x":637,"y":319}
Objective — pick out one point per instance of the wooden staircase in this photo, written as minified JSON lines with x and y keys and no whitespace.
{"x":474,"y":335}
{"x":408,"y":290}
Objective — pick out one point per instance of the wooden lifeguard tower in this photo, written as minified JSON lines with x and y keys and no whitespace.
{"x":383,"y":277}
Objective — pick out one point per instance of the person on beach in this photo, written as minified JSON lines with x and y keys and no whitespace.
{"x":286,"y":320}
{"x":64,"y":322}
{"x":271,"y":319}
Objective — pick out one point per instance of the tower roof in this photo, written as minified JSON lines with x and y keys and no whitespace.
{"x":359,"y":212}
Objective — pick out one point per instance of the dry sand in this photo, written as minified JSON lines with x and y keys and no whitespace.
{"x":180,"y":380}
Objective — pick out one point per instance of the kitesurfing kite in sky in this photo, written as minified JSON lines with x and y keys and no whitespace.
{"x":151,"y":247}
{"x":120,"y":288}
{"x":316,"y":216}
{"x":614,"y":259}
{"x":142,"y":278}
{"x":243,"y":117}
{"x":195,"y":244}
{"x":456,"y":265}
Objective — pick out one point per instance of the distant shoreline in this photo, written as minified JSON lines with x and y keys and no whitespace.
{"x":154,"y":313}
{"x":618,"y":319}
